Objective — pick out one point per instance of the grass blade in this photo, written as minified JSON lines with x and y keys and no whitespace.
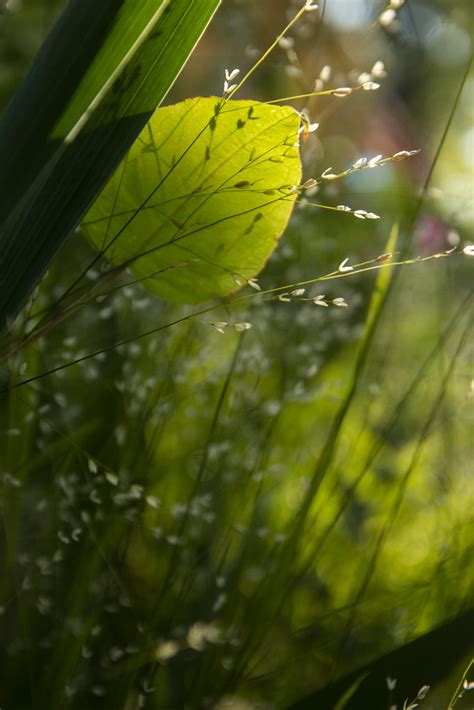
{"x":92,"y":88}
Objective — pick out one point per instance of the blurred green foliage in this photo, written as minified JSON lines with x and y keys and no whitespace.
{"x":202,"y":519}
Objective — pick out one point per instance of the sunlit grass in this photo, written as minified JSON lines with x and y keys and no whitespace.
{"x":197,"y":515}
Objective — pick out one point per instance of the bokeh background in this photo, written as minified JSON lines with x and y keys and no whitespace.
{"x":199,"y":519}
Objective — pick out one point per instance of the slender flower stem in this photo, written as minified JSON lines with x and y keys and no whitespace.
{"x":459,"y":688}
{"x":268,"y":51}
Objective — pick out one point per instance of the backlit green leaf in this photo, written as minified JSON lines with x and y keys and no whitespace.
{"x":197,"y":206}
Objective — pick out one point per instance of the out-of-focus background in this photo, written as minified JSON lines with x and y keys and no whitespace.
{"x":201,"y":519}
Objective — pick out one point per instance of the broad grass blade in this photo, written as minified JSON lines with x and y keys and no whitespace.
{"x":93,"y":86}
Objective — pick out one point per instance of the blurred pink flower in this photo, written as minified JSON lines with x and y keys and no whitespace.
{"x":431,"y":234}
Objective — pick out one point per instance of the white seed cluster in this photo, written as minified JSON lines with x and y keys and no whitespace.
{"x":229,"y":78}
{"x":389,"y":14}
{"x":221,"y":326}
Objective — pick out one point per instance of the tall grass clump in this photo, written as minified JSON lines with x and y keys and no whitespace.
{"x":235,"y":431}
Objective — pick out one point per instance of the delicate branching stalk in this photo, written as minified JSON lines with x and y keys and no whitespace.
{"x":380,"y":262}
{"x":307,"y":7}
{"x":463,"y":685}
{"x":360,"y":164}
{"x":421,"y":695}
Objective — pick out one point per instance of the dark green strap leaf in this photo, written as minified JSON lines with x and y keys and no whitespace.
{"x":101,"y":72}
